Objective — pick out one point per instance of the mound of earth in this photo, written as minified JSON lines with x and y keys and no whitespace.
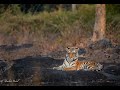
{"x":101,"y":44}
{"x":38,"y":71}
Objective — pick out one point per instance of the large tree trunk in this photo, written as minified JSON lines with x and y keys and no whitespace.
{"x":100,"y":23}
{"x":73,"y":7}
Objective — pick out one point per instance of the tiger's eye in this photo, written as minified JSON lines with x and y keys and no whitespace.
{"x":68,"y":48}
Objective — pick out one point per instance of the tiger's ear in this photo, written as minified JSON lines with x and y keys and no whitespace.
{"x":67,"y":48}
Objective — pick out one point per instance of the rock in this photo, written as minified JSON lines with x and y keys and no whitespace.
{"x":101,"y":44}
{"x":81,"y":51}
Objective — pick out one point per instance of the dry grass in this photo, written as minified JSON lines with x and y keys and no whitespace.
{"x":55,"y":30}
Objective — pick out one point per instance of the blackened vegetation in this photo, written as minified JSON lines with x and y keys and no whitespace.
{"x":15,"y":47}
{"x":101,"y":44}
{"x":24,"y":72}
{"x":37,"y":70}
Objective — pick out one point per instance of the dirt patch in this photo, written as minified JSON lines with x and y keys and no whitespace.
{"x":31,"y":67}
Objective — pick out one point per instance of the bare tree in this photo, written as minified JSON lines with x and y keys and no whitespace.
{"x":60,"y":7}
{"x":100,"y":23}
{"x":73,"y":7}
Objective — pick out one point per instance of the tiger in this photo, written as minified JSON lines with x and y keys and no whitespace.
{"x":71,"y":62}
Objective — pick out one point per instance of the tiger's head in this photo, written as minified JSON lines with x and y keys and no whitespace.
{"x":72,"y":52}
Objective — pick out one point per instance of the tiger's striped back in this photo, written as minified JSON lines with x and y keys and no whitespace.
{"x":90,"y":66}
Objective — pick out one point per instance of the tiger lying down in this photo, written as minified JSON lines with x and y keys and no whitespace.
{"x":71,"y":62}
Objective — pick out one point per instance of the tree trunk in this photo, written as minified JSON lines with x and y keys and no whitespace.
{"x":73,"y":7}
{"x":100,"y":23}
{"x":60,"y":7}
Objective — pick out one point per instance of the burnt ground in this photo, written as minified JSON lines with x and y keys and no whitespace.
{"x":31,"y":69}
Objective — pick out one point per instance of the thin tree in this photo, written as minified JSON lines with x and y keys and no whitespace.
{"x":100,"y":23}
{"x":60,"y":7}
{"x":73,"y":7}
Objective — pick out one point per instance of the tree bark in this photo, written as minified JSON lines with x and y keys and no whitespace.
{"x":73,"y":7}
{"x":100,"y":23}
{"x":60,"y":8}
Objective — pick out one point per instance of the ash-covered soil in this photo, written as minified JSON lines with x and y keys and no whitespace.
{"x":27,"y":66}
{"x":31,"y":71}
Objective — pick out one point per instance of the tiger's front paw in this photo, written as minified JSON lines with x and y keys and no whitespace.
{"x":54,"y":67}
{"x":57,"y":68}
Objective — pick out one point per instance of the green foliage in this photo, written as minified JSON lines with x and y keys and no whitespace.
{"x":113,"y":8}
{"x":13,"y":9}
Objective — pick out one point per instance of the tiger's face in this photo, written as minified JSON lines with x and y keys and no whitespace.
{"x":72,"y":51}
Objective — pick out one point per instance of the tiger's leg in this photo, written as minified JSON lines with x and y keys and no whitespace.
{"x":58,"y":68}
{"x":75,"y":67}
